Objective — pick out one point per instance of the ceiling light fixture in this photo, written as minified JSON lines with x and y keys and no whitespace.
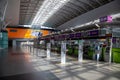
{"x":97,"y":25}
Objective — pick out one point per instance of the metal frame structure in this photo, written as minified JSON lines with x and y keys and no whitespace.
{"x":65,"y":10}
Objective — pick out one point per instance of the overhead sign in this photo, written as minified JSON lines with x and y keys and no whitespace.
{"x":63,"y":36}
{"x":36,"y":33}
{"x":106,"y":19}
{"x":93,"y":33}
{"x":77,"y":35}
{"x":71,"y":35}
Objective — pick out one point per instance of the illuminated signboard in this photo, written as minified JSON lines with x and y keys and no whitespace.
{"x":63,"y":36}
{"x":56,"y":37}
{"x":77,"y":35}
{"x":114,"y":40}
{"x":59,"y":37}
{"x":52,"y":37}
{"x":67,"y":36}
{"x":106,"y":19}
{"x":71,"y":35}
{"x":93,"y":33}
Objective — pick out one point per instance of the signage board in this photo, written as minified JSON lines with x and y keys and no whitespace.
{"x":52,"y":37}
{"x":106,"y":19}
{"x":71,"y":35}
{"x":63,"y":36}
{"x":77,"y":35}
{"x":93,"y":33}
{"x":56,"y":37}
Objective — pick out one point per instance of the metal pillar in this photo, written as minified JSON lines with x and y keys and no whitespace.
{"x":63,"y":52}
{"x":38,"y":52}
{"x":110,"y":54}
{"x":80,"y":52}
{"x":14,"y":44}
{"x":30,"y":48}
{"x":48,"y":50}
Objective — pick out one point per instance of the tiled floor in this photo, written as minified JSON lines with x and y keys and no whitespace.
{"x":22,"y":65}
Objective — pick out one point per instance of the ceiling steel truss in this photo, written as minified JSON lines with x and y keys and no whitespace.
{"x":53,"y":13}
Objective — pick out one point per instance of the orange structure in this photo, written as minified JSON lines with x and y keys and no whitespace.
{"x":25,"y":33}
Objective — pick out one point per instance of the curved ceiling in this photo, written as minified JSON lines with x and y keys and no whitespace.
{"x":28,"y":10}
{"x":72,"y":9}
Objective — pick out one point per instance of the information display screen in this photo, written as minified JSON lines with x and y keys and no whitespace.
{"x":71,"y":35}
{"x":67,"y":36}
{"x":59,"y":37}
{"x":56,"y":37}
{"x":63,"y":36}
{"x":77,"y":35}
{"x":106,"y":19}
{"x":114,"y":40}
{"x":93,"y":33}
{"x":46,"y":38}
{"x":52,"y":37}
{"x":103,"y":19}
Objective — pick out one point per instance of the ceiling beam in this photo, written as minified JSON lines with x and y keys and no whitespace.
{"x":71,"y":11}
{"x":86,"y":4}
{"x":78,"y":7}
{"x":98,"y":2}
{"x":72,"y":8}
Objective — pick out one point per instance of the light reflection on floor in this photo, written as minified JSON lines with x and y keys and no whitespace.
{"x":87,"y":70}
{"x":72,"y":70}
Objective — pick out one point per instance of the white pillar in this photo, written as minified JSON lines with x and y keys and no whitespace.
{"x":30,"y":49}
{"x":38,"y":52}
{"x":110,"y":54}
{"x":48,"y":50}
{"x":14,"y":44}
{"x":80,"y":52}
{"x":63,"y":52}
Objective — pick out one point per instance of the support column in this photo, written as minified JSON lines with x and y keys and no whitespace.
{"x":80,"y":52}
{"x":14,"y":44}
{"x":39,"y":52}
{"x":48,"y":50}
{"x":63,"y":52}
{"x":110,"y":54}
{"x":34,"y":51}
{"x":30,"y":49}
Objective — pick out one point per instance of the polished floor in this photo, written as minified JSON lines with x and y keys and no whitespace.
{"x":31,"y":64}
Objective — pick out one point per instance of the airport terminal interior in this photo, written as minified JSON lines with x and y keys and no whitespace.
{"x":59,"y":39}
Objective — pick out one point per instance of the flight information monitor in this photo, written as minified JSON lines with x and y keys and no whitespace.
{"x":71,"y":36}
{"x":77,"y":35}
{"x":63,"y":36}
{"x":93,"y":33}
